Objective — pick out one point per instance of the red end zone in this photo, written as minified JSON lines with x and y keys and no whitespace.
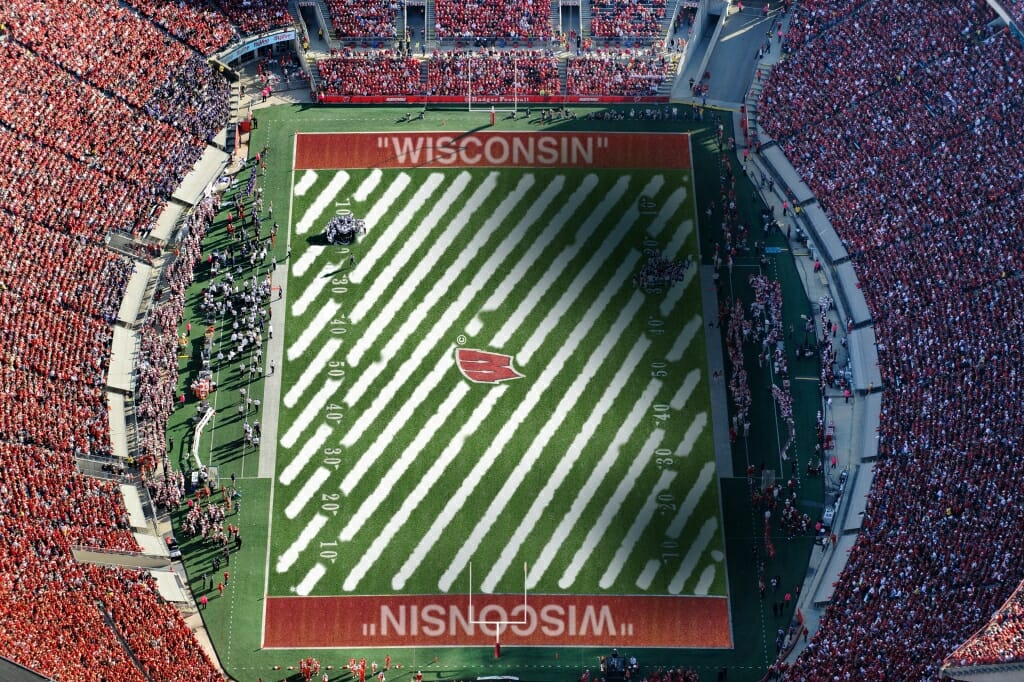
{"x":547,"y":620}
{"x":317,"y":151}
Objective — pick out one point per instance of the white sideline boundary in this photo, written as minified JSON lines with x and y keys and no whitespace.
{"x":543,"y":437}
{"x":322,"y":201}
{"x":417,"y":447}
{"x":508,"y":285}
{"x":632,"y":536}
{"x":308,"y":534}
{"x":565,"y":465}
{"x":305,"y":454}
{"x":387,"y":236}
{"x":413,"y":282}
{"x":429,"y":480}
{"x":700,"y":543}
{"x":412,"y":246}
{"x":611,"y":509}
{"x":312,"y":372}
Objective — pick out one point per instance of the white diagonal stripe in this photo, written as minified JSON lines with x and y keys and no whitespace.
{"x":528,"y":459}
{"x":690,"y":437}
{"x":306,"y":492}
{"x":697,"y":490}
{"x":429,"y":480}
{"x":409,"y":454}
{"x":685,"y":338}
{"x":412,"y":246}
{"x":312,"y":371}
{"x":305,"y":454}
{"x":313,"y":289}
{"x":682,"y":396}
{"x":307,"y":180}
{"x":314,"y":329}
{"x":593,"y":539}
{"x":697,"y":547}
{"x":321,"y":203}
{"x":312,"y":578}
{"x":391,"y":427}
{"x":647,"y":575}
{"x":411,"y":284}
{"x":310,"y":412}
{"x":565,"y":464}
{"x":308,"y":257}
{"x":385,"y":238}
{"x":369,"y":184}
{"x":309,"y":532}
{"x":554,"y":228}
{"x":672,"y":204}
{"x":600,"y":471}
{"x":632,"y":536}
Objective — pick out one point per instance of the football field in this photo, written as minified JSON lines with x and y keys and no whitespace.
{"x":488,"y":393}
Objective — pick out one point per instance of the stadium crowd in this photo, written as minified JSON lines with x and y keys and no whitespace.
{"x":900,"y":118}
{"x":628,"y":18}
{"x":101,"y":115}
{"x":377,"y":73}
{"x":618,"y":72}
{"x":364,"y":18}
{"x":515,"y":19}
{"x":256,"y":16}
{"x":192,"y":21}
{"x":1000,"y":641}
{"x":494,"y":73}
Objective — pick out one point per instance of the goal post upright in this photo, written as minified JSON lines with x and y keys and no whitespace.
{"x":499,"y":624}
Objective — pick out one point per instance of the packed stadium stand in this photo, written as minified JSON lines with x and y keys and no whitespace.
{"x":493,"y":19}
{"x":899,"y":118}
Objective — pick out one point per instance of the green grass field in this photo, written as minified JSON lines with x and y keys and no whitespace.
{"x":395,"y":472}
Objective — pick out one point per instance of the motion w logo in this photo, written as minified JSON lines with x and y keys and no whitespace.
{"x":484,"y":367}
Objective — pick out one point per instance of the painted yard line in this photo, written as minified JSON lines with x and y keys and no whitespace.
{"x":314,"y":289}
{"x":305,"y":454}
{"x":313,"y":371}
{"x":554,"y":228}
{"x":314,"y":330}
{"x":409,"y":454}
{"x":310,"y":412}
{"x":321,"y":203}
{"x":383,"y":540}
{"x":307,"y":180}
{"x":308,"y":257}
{"x":565,"y":464}
{"x":391,"y":425}
{"x":697,"y":547}
{"x":558,"y":266}
{"x":484,"y":463}
{"x":682,"y":396}
{"x":641,"y":408}
{"x":412,"y":246}
{"x":578,"y":285}
{"x":676,"y":291}
{"x":685,"y":338}
{"x":312,"y":578}
{"x":306,"y":492}
{"x":385,"y":238}
{"x":368,"y":184}
{"x":528,"y":459}
{"x":291,"y":555}
{"x":672,"y":204}
{"x":707,"y":578}
{"x":412,"y":284}
{"x":697,"y":490}
{"x":455,"y":310}
{"x":632,"y":537}
{"x":690,"y":437}
{"x":647,"y":575}
{"x":615,"y":502}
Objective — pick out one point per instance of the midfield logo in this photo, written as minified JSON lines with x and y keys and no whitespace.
{"x":485,"y":367}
